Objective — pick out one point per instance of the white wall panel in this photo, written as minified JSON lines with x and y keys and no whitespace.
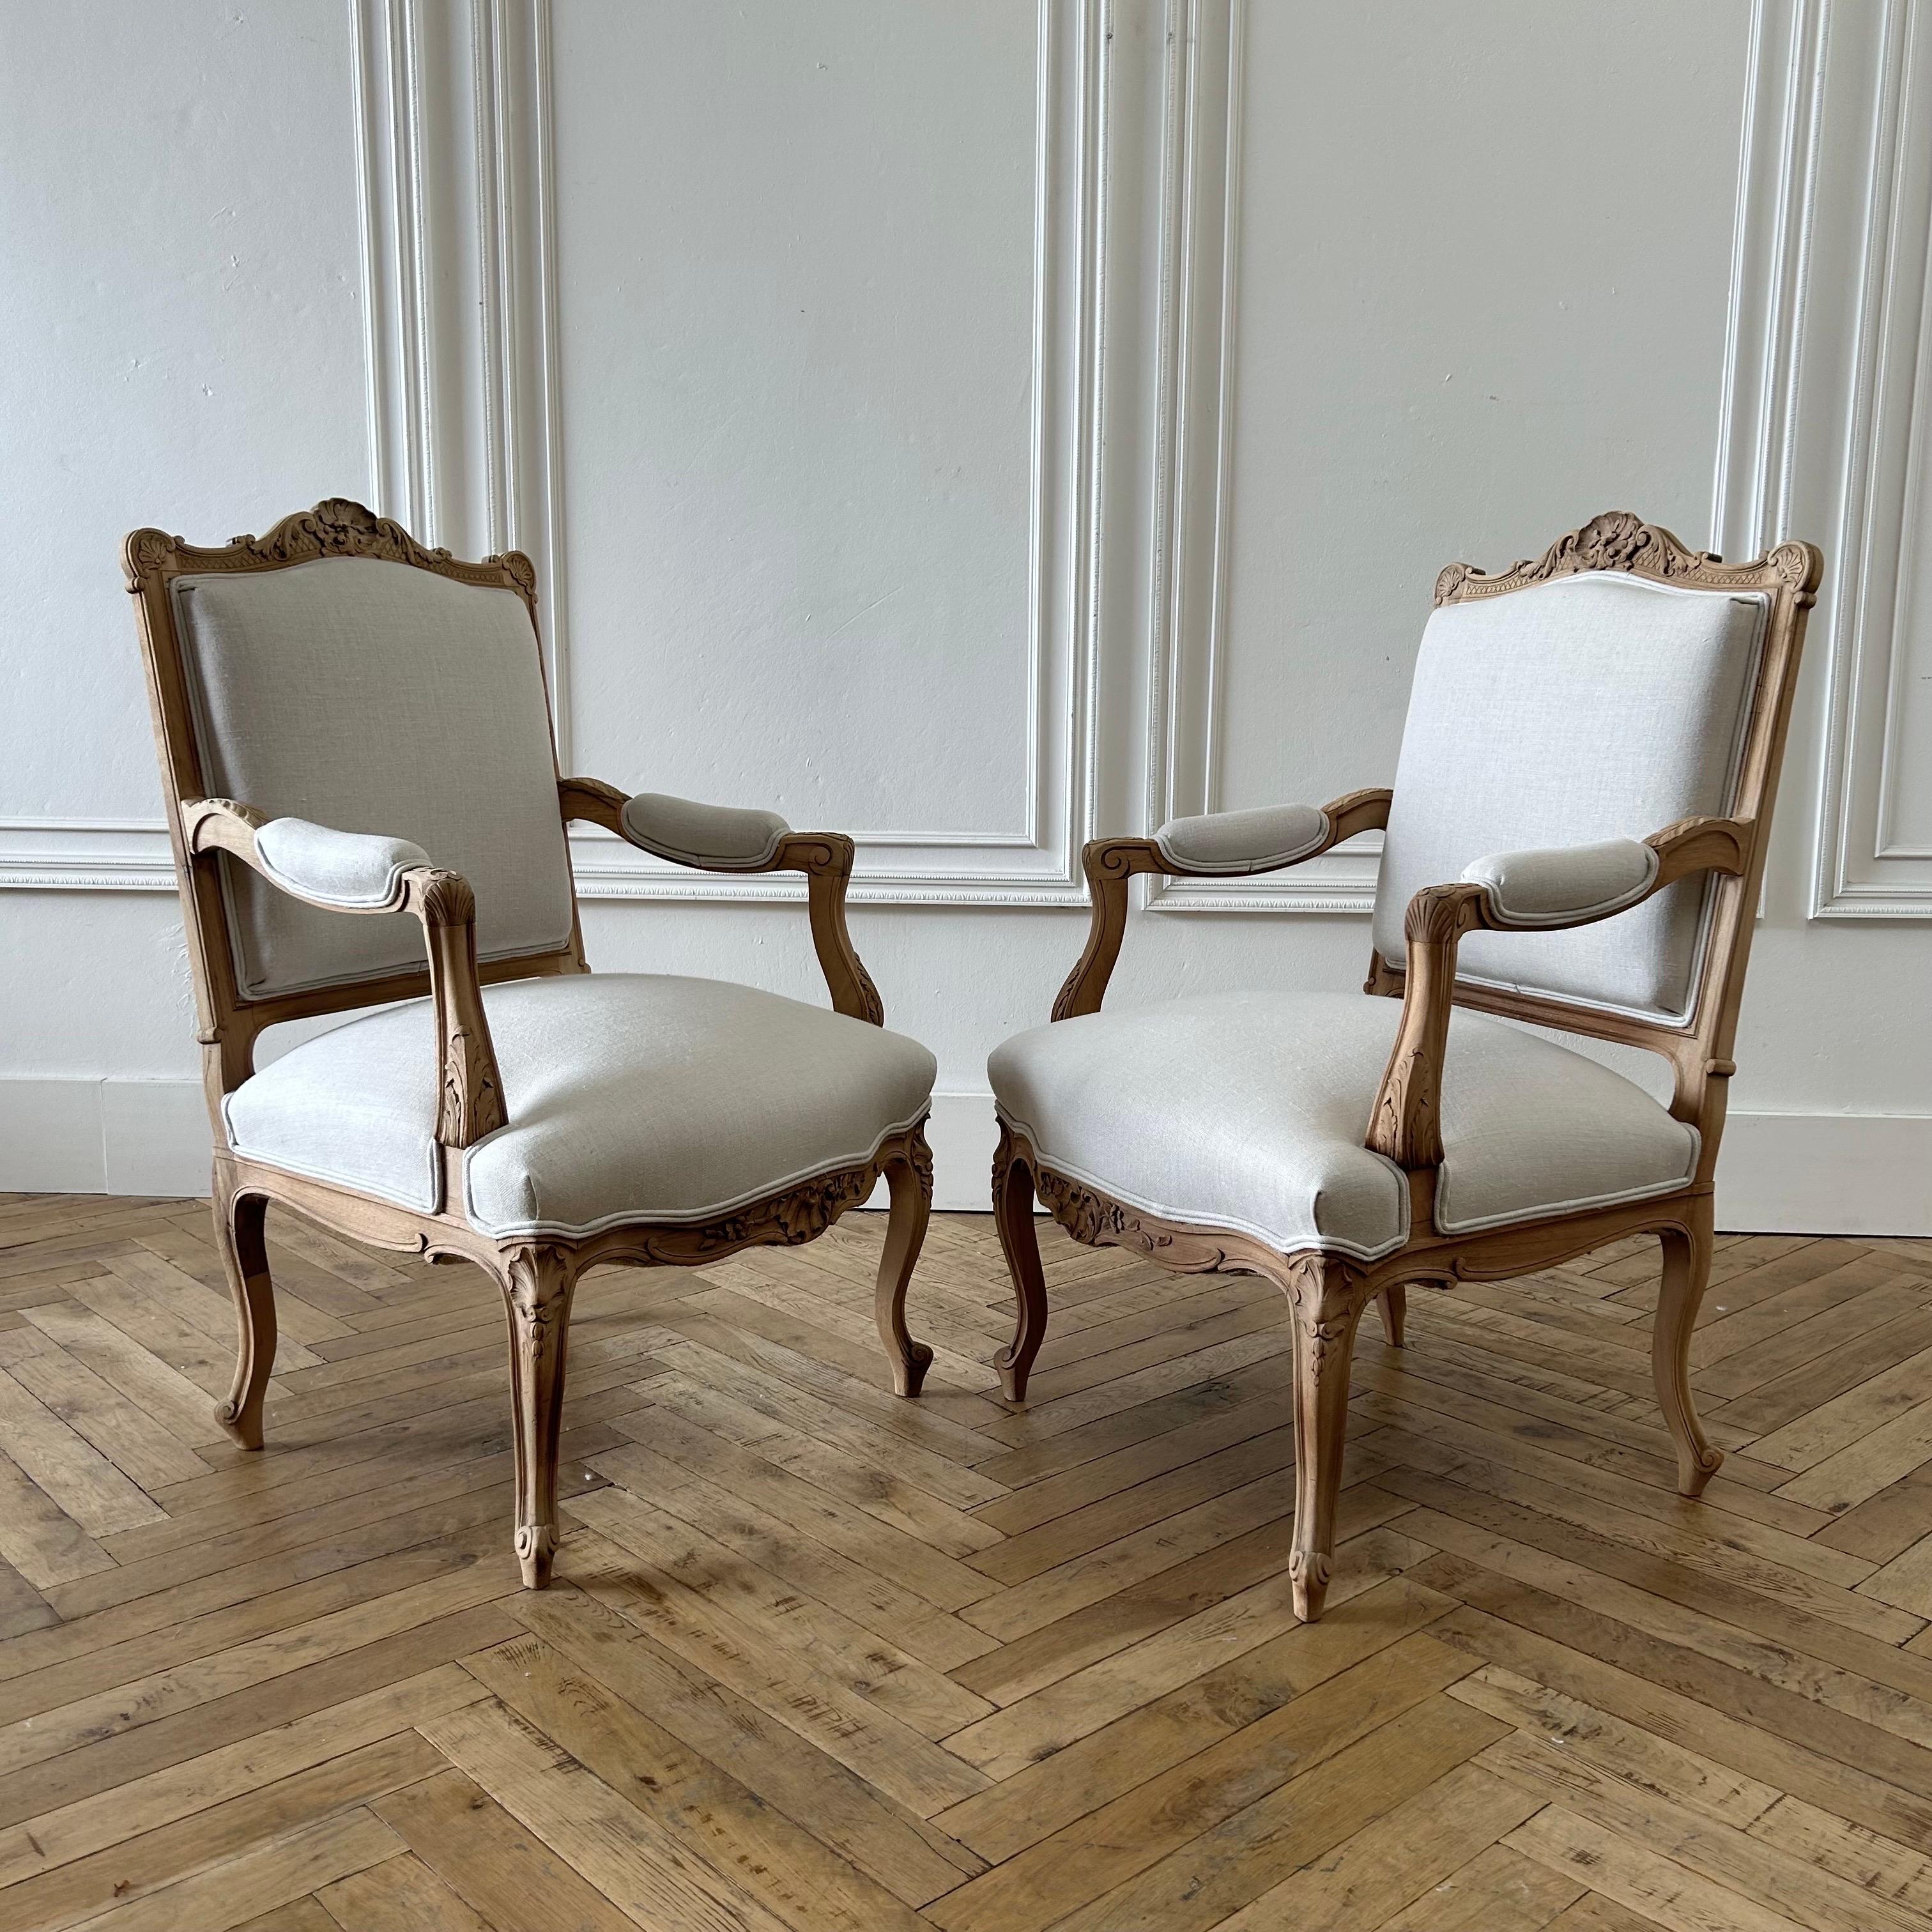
{"x":825,"y":398}
{"x":1875,"y":830}
{"x":799,"y":457}
{"x":179,"y":299}
{"x":974,"y":426}
{"x":1457,"y":308}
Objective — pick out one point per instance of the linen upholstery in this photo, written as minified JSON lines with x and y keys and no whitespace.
{"x":1235,"y":842}
{"x":1532,"y":889}
{"x":722,"y":838}
{"x":1247,"y":1111}
{"x":631,"y":1097}
{"x":1596,"y":706}
{"x":375,"y":697}
{"x":350,"y":869}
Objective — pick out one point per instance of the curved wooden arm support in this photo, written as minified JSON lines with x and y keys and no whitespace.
{"x":469,"y":1088}
{"x":1406,"y":1123}
{"x":1109,"y":863}
{"x":826,"y":860}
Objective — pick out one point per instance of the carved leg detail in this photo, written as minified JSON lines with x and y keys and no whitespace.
{"x":1393,"y":1306}
{"x":239,"y":1220}
{"x":1328,"y":1305}
{"x":909,"y":1176}
{"x":537,"y":1283}
{"x":1686,"y":1269}
{"x":1013,"y":1215}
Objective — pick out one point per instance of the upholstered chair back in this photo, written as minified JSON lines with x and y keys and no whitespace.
{"x":1597,"y":705}
{"x":375,"y":696}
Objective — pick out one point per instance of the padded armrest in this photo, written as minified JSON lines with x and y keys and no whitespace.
{"x":1231,"y":843}
{"x":719,"y":838}
{"x":1560,"y":885}
{"x":356,"y":871}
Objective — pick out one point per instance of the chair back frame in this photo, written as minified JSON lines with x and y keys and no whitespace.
{"x":228,"y":1022}
{"x":1699,"y":1048}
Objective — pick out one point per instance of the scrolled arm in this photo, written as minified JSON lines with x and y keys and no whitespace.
{"x":726,"y":839}
{"x":360,"y":873}
{"x":1218,"y":845}
{"x":1515,"y":893}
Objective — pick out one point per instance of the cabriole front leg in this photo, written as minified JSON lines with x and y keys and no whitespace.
{"x":1019,"y":1240}
{"x":1686,"y":1269}
{"x":908,"y":1171}
{"x":537,"y":1282}
{"x":240,"y":1224}
{"x":1327,"y":1302}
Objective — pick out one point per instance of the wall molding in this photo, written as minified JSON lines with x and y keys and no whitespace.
{"x":1860,"y":869}
{"x":1200,"y":212}
{"x":1198,"y":220}
{"x":455,"y":130}
{"x":516,"y":446}
{"x":1770,"y":258}
{"x":85,"y":855}
{"x":1039,"y":864}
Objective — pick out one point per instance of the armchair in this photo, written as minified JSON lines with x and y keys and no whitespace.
{"x":1344,"y":1146}
{"x":350,"y":724}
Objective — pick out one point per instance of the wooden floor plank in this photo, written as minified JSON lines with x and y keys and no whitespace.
{"x":696,"y":1805}
{"x":281,"y":1870}
{"x":817,"y":1657}
{"x":492,"y":1862}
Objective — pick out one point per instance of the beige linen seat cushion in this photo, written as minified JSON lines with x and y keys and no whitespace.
{"x":631,"y":1097}
{"x":1246,"y":1111}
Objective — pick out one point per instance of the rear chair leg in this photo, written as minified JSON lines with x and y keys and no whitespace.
{"x":1686,"y":1271}
{"x":1013,"y":1215}
{"x":239,"y":1223}
{"x":537,"y":1283}
{"x":909,"y":1176}
{"x":1392,"y":1304}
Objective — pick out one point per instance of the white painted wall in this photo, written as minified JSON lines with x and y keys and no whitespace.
{"x":976,"y":428}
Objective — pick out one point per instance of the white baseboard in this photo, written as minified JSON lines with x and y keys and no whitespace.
{"x":1826,"y":1174}
{"x":1815,"y":1174}
{"x":113,"y":1136}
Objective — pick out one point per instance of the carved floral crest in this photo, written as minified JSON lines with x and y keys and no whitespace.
{"x":1621,"y":540}
{"x":336,"y":526}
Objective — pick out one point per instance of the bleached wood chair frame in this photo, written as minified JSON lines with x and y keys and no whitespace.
{"x":1328,"y":1293}
{"x":536,"y":1277}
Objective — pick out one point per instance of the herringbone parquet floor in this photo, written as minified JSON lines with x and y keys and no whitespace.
{"x":820,"y":1658}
